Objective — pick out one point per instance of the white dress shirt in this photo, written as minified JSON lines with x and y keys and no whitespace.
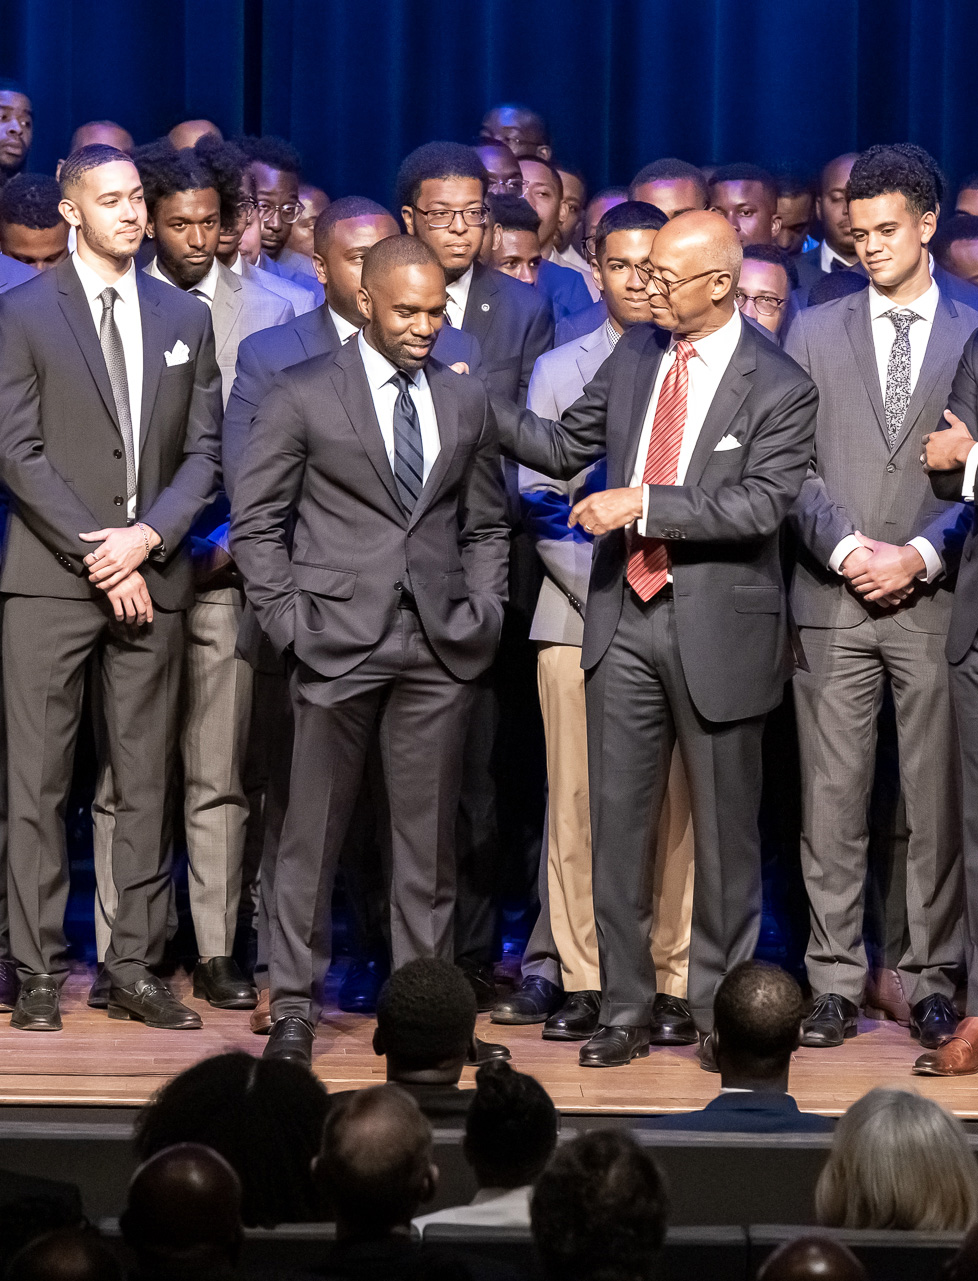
{"x":203,"y":290}
{"x":380,"y":371}
{"x":343,"y":326}
{"x":884,"y":334}
{"x":458,"y":297}
{"x":126,"y":312}
{"x":970,"y":468}
{"x":827,"y":256}
{"x":236,"y":265}
{"x":490,"y":1207}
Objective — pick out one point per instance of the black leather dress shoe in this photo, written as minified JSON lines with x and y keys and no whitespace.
{"x":615,"y":1046}
{"x":9,"y":985}
{"x":150,"y":1001}
{"x":361,"y":986}
{"x":484,"y":1051}
{"x":98,"y":993}
{"x":483,"y":985}
{"x":576,"y":1020}
{"x":290,"y":1039}
{"x":933,"y":1021}
{"x":672,"y":1022}
{"x":707,"y":1054}
{"x":38,"y":1008}
{"x":221,"y":983}
{"x":833,"y":1020}
{"x":533,"y":1002}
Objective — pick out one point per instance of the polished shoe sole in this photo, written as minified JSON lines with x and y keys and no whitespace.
{"x":234,"y":1003}
{"x":98,"y":1003}
{"x":847,"y":1035}
{"x":641,"y":1053}
{"x":35,"y":1027}
{"x":261,"y":1027}
{"x":673,"y":1038}
{"x":518,"y":1020}
{"x":562,"y":1034}
{"x":120,"y":1012}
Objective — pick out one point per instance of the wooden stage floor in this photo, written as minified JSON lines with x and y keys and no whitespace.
{"x":100,"y":1062}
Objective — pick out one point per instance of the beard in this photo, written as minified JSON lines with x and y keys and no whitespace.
{"x":107,"y":244}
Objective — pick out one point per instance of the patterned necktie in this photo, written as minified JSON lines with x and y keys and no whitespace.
{"x":898,"y":372}
{"x":648,"y":565}
{"x":408,"y":450}
{"x":115,"y":363}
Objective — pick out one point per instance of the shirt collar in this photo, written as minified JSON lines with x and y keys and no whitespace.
{"x":925,"y":306}
{"x":207,"y":286}
{"x":459,"y":289}
{"x":379,"y":369}
{"x":343,"y":327}
{"x":236,"y":265}
{"x":93,"y":284}
{"x":717,"y":348}
{"x":828,"y":256}
{"x":612,"y":333}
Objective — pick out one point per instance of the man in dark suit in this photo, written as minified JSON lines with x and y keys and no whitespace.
{"x":387,"y":599}
{"x":872,"y":595}
{"x":110,"y":410}
{"x":708,"y":428}
{"x":757,"y":1021}
{"x":837,"y":251}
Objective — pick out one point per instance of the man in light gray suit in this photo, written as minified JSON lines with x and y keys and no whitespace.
{"x":872,"y":595}
{"x":189,"y":194}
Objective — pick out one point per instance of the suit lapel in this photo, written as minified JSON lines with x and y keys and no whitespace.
{"x":649,"y":359}
{"x":731,"y":393}
{"x":480,"y":307}
{"x":225,"y":309}
{"x":354,"y":393}
{"x":317,"y":333}
{"x":445,"y":399}
{"x":153,"y":324}
{"x":857,"y":324}
{"x":941,"y":340}
{"x":595,"y":350}
{"x":78,"y":314}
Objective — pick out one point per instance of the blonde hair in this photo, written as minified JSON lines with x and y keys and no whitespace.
{"x":898,"y":1160}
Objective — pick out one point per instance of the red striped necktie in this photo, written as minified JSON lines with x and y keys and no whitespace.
{"x":648,"y":565}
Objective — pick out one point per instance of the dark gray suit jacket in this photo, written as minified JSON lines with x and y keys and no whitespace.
{"x":722,"y":524}
{"x":857,"y":481}
{"x":745,"y":1112}
{"x":61,"y":452}
{"x":316,"y":452}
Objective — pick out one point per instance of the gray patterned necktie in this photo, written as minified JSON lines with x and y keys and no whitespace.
{"x":115,"y":363}
{"x":898,"y":372}
{"x":408,"y":450}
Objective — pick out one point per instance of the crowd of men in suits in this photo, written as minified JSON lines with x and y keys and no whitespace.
{"x":311,"y":494}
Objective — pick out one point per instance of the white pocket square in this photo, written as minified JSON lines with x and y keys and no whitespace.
{"x":178,"y":356}
{"x":728,"y":442}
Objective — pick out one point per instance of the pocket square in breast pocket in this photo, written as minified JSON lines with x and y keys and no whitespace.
{"x":728,"y":442}
{"x":178,"y":356}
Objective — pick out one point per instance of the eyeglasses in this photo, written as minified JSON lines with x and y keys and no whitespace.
{"x":764,"y":304}
{"x":509,"y":187}
{"x":246,"y":208}
{"x":288,"y":213}
{"x":439,"y":219}
{"x":665,"y":287}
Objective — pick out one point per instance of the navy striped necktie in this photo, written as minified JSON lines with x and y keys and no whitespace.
{"x":408,"y":449}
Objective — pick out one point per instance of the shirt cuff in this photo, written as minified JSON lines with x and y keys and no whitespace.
{"x":645,"y":510}
{"x":842,"y":550}
{"x":933,"y":565}
{"x":970,"y":469}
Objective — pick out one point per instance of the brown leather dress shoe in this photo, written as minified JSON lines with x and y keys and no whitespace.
{"x":261,"y":1015}
{"x":958,"y":1056}
{"x":885,"y":998}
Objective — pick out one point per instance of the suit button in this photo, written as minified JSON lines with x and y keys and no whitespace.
{"x":399,"y":587}
{"x":118,"y":500}
{"x":890,"y":467}
{"x":117,"y":453}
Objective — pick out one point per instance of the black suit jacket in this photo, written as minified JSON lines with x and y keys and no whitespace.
{"x":747,"y":1113}
{"x":722,"y":524}
{"x":62,"y":456}
{"x":513,"y":324}
{"x":316,"y":452}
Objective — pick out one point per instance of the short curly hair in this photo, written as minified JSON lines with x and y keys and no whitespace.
{"x":901,"y":168}
{"x":600,"y":1210}
{"x":510,"y":1128}
{"x":426,"y":1011}
{"x":31,"y":200}
{"x":272,"y":151}
{"x":210,"y":163}
{"x":437,"y":160}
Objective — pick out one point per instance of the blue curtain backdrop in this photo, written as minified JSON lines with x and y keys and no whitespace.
{"x":357,"y":83}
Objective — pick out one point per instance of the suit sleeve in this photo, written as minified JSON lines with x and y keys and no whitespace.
{"x":484,"y":530}
{"x":250,"y":384}
{"x":265,"y":493}
{"x":197,"y":480}
{"x":963,"y":402}
{"x":539,"y":338}
{"x":50,"y":507}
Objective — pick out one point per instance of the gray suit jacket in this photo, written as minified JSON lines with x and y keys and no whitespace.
{"x":61,"y":452}
{"x":293,"y":291}
{"x":559,"y":378}
{"x":316,"y":454}
{"x":722,"y":524}
{"x":13,"y":273}
{"x":857,"y":481}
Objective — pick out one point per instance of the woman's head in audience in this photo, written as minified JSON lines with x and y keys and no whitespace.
{"x":898,"y":1160}
{"x":265,"y":1117}
{"x":511,"y":1127}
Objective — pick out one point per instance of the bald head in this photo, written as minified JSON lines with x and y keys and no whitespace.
{"x":812,"y":1258}
{"x":698,"y":257}
{"x":188,"y":132}
{"x":523,"y":130}
{"x":71,"y":1254}
{"x":105,"y":132}
{"x":388,"y":255}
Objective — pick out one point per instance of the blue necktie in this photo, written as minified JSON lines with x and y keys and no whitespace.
{"x":408,"y":450}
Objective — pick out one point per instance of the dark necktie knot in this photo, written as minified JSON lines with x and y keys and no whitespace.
{"x":403,"y":381}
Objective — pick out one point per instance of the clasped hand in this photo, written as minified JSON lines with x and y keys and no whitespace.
{"x":112,"y":567}
{"x":610,"y":509}
{"x":882,"y":572}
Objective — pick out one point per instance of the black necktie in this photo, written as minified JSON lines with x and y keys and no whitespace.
{"x":115,"y":363}
{"x":839,"y":265}
{"x":408,"y":450}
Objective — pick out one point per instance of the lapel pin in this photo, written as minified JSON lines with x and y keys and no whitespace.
{"x":485,"y":306}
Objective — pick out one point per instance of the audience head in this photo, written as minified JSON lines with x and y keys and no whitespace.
{"x":515,"y":238}
{"x":622,"y":243}
{"x":275,"y":165}
{"x":31,"y":227}
{"x":898,"y":1160}
{"x":16,"y":128}
{"x":263,"y":1116}
{"x":832,"y":205}
{"x":505,"y":174}
{"x":695,"y":266}
{"x":812,"y":1258}
{"x":344,"y":232}
{"x":767,"y":277}
{"x":313,"y":200}
{"x":796,"y":209}
{"x":893,"y":198}
{"x":599,"y":1210}
{"x":441,"y":192}
{"x":598,"y":206}
{"x":246,"y":217}
{"x":747,"y":196}
{"x":425,"y":1022}
{"x":375,"y":1169}
{"x":402,"y":300}
{"x":672,"y":185}
{"x":510,"y":1128}
{"x":757,"y":1017}
{"x":106,"y":132}
{"x":102,"y":198}
{"x":955,"y":246}
{"x":522,"y":130}
{"x":71,"y":1254}
{"x":967,"y":198}
{"x":836,"y":284}
{"x":572,"y":209}
{"x":189,"y":132}
{"x":545,"y":192}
